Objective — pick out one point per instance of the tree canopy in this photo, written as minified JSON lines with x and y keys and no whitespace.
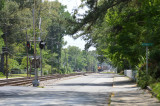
{"x":51,"y":25}
{"x":117,"y":28}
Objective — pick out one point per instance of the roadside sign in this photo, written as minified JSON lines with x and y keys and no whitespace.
{"x":147,"y":44}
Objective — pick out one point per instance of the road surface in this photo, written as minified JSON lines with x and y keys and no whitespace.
{"x":88,"y":90}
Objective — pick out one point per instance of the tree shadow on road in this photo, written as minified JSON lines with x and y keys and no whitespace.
{"x":57,"y":98}
{"x":87,"y":84}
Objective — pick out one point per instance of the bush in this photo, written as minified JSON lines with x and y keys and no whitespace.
{"x":69,"y":70}
{"x":144,"y":79}
{"x":45,"y":73}
{"x":62,"y":70}
{"x":1,"y":74}
{"x":156,"y":89}
{"x":46,"y":69}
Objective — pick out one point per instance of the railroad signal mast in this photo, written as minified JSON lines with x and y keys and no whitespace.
{"x":35,"y":82}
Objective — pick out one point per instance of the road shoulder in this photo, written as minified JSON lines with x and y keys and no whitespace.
{"x":131,"y":96}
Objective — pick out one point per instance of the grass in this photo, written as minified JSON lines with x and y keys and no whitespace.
{"x":108,"y":72}
{"x":40,"y":86}
{"x":2,"y":77}
{"x":15,"y":76}
{"x":156,"y":89}
{"x":110,"y":96}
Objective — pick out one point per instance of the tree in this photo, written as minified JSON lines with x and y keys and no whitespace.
{"x":79,"y":60}
{"x":117,"y":28}
{"x":1,"y":33}
{"x":16,"y":20}
{"x":1,"y":4}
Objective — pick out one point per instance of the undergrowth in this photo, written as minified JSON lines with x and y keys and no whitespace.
{"x":156,"y":89}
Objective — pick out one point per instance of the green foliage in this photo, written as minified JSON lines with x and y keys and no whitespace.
{"x":118,"y":28}
{"x":94,"y":15}
{"x":1,"y":4}
{"x":1,"y":41}
{"x":156,"y":89}
{"x":47,"y":69}
{"x":119,"y":34}
{"x":1,"y":74}
{"x":16,"y":20}
{"x":75,"y":59}
{"x":69,"y":70}
{"x":24,"y":63}
{"x":144,"y":79}
{"x":13,"y":64}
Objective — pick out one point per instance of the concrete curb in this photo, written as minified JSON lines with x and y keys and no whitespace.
{"x":151,"y":91}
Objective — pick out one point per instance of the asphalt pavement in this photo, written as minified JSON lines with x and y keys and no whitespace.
{"x":97,"y":89}
{"x":88,"y":90}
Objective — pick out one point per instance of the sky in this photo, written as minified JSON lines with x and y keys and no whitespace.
{"x":79,"y":42}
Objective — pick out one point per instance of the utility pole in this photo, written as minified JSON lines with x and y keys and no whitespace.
{"x":35,"y":81}
{"x":40,"y":39}
{"x":27,"y":52}
{"x":52,"y":58}
{"x":40,"y":49}
{"x":6,"y":65}
{"x":6,"y":52}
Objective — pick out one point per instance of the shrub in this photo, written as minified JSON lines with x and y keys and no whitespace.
{"x":144,"y":79}
{"x":1,"y":74}
{"x":156,"y":89}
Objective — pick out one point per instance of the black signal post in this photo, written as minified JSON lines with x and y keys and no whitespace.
{"x":42,"y":45}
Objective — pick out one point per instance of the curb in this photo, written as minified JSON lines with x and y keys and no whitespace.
{"x":150,"y":90}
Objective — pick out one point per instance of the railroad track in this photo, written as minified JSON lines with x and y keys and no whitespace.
{"x":24,"y":81}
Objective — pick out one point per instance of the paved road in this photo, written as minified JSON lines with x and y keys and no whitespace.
{"x":90,"y":90}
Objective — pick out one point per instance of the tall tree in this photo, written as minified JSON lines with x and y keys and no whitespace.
{"x":1,"y":4}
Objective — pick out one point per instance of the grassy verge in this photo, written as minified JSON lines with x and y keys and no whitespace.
{"x":156,"y":89}
{"x":15,"y":76}
{"x":2,"y":77}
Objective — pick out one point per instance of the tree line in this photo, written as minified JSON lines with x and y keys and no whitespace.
{"x":16,"y":28}
{"x":77,"y":60}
